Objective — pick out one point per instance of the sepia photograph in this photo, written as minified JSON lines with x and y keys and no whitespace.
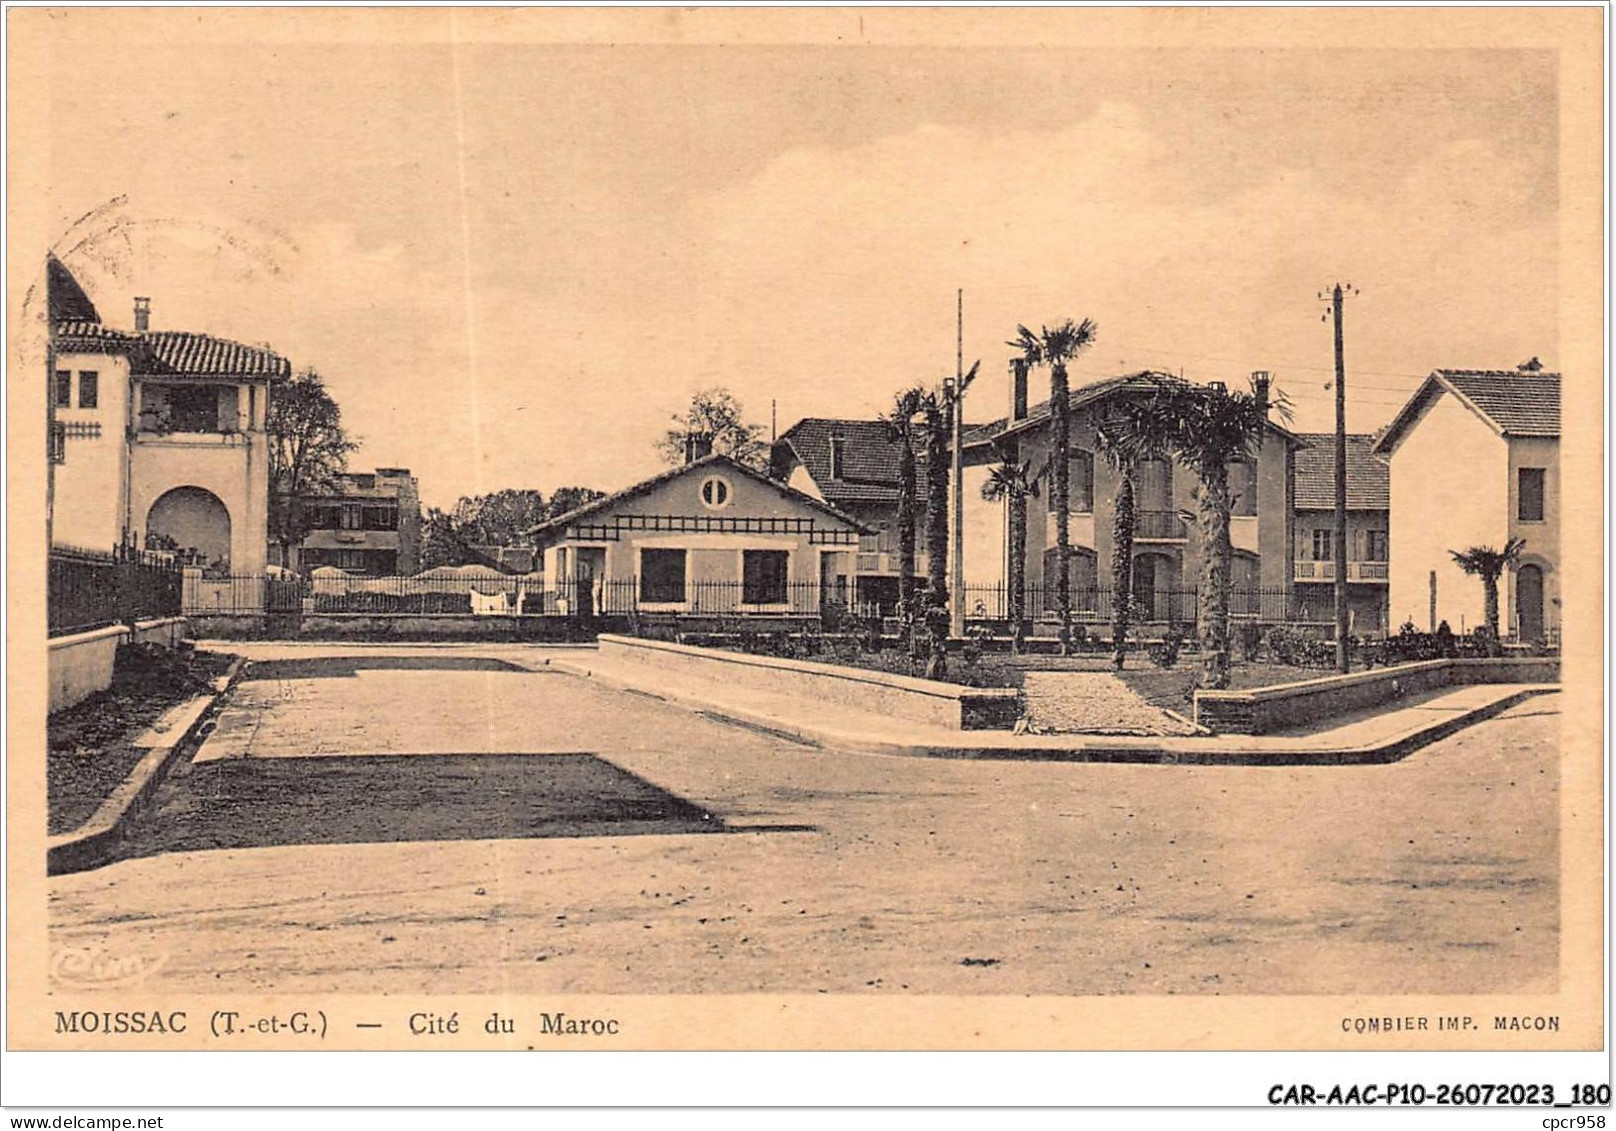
{"x":806,"y":529}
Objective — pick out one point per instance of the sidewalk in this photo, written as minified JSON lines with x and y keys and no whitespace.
{"x":1367,"y":738}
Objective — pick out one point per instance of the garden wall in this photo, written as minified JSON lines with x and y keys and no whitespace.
{"x":896,"y":696}
{"x":81,"y":664}
{"x":1265,"y":709}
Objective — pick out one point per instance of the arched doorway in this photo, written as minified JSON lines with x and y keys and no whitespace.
{"x":1529,"y":602}
{"x":193,"y":522}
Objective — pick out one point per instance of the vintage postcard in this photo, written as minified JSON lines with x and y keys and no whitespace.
{"x":806,"y":529}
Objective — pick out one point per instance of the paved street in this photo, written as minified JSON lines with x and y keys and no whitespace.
{"x":410,"y":819}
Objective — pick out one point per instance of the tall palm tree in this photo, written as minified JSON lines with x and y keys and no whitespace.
{"x":1206,"y":427}
{"x":1013,"y":483}
{"x":902,"y":429}
{"x":1122,"y":530}
{"x":1489,"y":565}
{"x":1055,"y":347}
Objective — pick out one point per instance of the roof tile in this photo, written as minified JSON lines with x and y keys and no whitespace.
{"x":1368,"y":477}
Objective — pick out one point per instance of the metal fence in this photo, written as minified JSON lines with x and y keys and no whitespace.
{"x":531,"y":595}
{"x":88,"y":590}
{"x":1095,"y":604}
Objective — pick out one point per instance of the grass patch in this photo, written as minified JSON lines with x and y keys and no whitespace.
{"x":90,"y":750}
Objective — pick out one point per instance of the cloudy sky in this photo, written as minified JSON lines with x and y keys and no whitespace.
{"x":513,"y":263}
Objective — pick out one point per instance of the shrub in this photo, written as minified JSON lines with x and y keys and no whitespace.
{"x":1251,"y":638}
{"x":1164,"y":654}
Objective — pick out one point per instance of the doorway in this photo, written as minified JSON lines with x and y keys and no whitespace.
{"x":1529,"y":602}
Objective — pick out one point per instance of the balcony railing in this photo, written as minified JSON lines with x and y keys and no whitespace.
{"x":1159,"y":526}
{"x":1325,"y":571}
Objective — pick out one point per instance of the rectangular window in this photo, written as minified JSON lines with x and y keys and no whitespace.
{"x":1243,"y":489}
{"x":1079,"y":484}
{"x":89,"y":388}
{"x":353,"y":516}
{"x":1378,"y":546}
{"x":838,"y":457}
{"x":662,"y":576}
{"x":1323,"y":545}
{"x":64,"y":388}
{"x":763,"y":576}
{"x":1529,"y":502}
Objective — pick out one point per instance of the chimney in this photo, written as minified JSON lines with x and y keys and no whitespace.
{"x":1018,"y":389}
{"x":1259,"y":389}
{"x":142,"y":314}
{"x":1531,"y":365}
{"x":698,"y":445}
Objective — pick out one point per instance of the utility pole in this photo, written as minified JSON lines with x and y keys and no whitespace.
{"x":956,"y":583}
{"x":1340,"y":539}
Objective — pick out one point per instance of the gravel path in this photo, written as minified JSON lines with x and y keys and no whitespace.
{"x":1093,"y":703}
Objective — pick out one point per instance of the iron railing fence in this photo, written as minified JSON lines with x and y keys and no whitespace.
{"x":530,"y":595}
{"x":1095,"y":604}
{"x":87,"y":589}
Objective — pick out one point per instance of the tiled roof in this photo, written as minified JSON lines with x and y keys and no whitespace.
{"x":165,"y":353}
{"x":91,"y":335}
{"x":1144,"y":381}
{"x":1368,"y":477}
{"x":1515,"y":402}
{"x":1520,"y":404}
{"x":645,"y":486}
{"x":181,"y":353}
{"x":869,"y":458}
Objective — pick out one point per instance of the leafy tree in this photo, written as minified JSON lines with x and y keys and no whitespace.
{"x":442,"y":541}
{"x":715,"y":412}
{"x":501,"y":518}
{"x":567,"y":499}
{"x":308,"y":448}
{"x":1489,"y":565}
{"x":1206,"y":427}
{"x":1013,"y":483}
{"x":1056,"y":347}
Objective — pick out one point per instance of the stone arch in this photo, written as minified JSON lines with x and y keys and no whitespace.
{"x":193,"y":518}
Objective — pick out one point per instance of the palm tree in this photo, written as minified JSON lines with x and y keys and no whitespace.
{"x":1489,"y":565}
{"x":901,"y":429}
{"x":937,"y":418}
{"x":1013,"y":483}
{"x":1206,"y":427}
{"x":1122,"y":529}
{"x":1055,"y":347}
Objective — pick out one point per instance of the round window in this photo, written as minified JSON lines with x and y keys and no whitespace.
{"x":715,"y":492}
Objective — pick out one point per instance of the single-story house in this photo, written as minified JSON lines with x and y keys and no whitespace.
{"x":710,"y":537}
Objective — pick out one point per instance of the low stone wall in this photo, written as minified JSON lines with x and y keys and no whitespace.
{"x":1265,"y":709}
{"x":81,"y":664}
{"x":402,"y":627}
{"x":896,"y":696}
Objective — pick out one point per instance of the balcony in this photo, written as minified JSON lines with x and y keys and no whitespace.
{"x":1374,"y":572}
{"x":1158,"y":526}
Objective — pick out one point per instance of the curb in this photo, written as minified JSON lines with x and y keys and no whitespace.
{"x":1211,"y":751}
{"x":96,"y":842}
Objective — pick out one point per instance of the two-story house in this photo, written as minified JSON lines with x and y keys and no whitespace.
{"x":1368,"y":532}
{"x":853,"y":466}
{"x":160,"y":435}
{"x":1475,"y":461}
{"x":1166,"y":550}
{"x":365,"y":522}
